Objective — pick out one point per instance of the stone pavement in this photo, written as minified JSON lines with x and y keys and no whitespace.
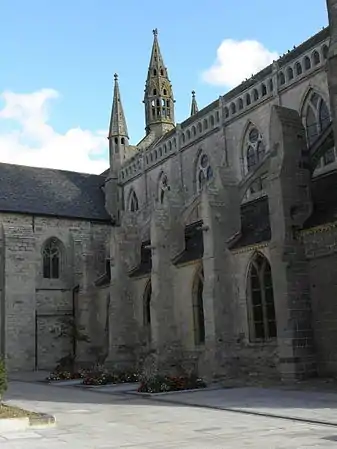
{"x":93,"y":420}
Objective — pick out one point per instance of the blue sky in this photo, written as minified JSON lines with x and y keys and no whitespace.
{"x":74,"y":47}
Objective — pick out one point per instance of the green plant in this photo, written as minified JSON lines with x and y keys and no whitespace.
{"x":3,"y":379}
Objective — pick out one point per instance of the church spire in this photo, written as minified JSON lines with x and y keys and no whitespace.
{"x":117,"y":122}
{"x":158,"y":97}
{"x":118,"y":131}
{"x":194,"y":105}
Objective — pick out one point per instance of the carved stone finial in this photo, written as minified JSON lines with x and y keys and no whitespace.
{"x":193,"y":93}
{"x":116,"y":76}
{"x":155,"y":32}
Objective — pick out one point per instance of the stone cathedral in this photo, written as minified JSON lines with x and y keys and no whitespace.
{"x":210,"y":245}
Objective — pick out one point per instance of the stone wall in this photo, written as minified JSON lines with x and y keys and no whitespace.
{"x":36,"y":311}
{"x":321,"y":250}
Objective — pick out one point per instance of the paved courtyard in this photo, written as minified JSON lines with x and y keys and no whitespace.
{"x":97,"y":420}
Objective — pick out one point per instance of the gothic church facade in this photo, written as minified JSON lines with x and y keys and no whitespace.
{"x":211,"y":244}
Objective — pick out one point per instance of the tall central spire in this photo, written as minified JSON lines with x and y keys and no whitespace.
{"x":158,"y":97}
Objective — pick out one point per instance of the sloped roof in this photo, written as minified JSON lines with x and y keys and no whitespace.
{"x":45,"y":191}
{"x":255,"y":223}
{"x":324,"y":197}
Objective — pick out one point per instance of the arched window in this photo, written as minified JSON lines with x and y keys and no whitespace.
{"x":317,"y":116}
{"x":262,"y":318}
{"x":147,"y":310}
{"x":325,"y":50}
{"x":255,"y":95}
{"x":163,"y":187}
{"x":199,"y":127}
{"x":248,"y":100}
{"x":282,"y":78}
{"x":307,"y":63}
{"x":233,"y":108}
{"x":133,"y":202}
{"x":52,"y":259}
{"x":194,"y":130}
{"x":198,"y":308}
{"x":298,"y":68}
{"x":205,"y":123}
{"x":316,"y":57}
{"x":204,"y":171}
{"x":240,"y":104}
{"x":263,"y":90}
{"x":188,"y":134}
{"x":211,"y":121}
{"x":290,"y":73}
{"x":254,"y":147}
{"x":271,"y":85}
{"x":226,"y":112}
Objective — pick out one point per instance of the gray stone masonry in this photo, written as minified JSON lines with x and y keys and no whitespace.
{"x":123,"y":327}
{"x":290,"y":204}
{"x":19,"y":293}
{"x":220,"y":211}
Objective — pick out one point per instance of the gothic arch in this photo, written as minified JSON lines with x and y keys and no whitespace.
{"x":52,"y":258}
{"x":253,"y":147}
{"x":260,"y":299}
{"x":198,"y":306}
{"x":315,"y":113}
{"x":162,"y":187}
{"x":203,"y":170}
{"x":132,"y":204}
{"x":147,"y":315}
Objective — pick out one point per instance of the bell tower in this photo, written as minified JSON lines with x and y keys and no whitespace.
{"x":158,"y":97}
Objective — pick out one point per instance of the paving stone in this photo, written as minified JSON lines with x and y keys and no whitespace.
{"x":91,"y":420}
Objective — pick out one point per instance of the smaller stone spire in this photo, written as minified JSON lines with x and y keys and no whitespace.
{"x":194,"y":105}
{"x":117,"y":121}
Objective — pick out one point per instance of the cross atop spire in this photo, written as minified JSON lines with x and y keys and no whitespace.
{"x":194,"y":105}
{"x":117,"y":122}
{"x":155,"y":32}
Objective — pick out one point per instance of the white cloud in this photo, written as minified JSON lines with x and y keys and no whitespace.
{"x":236,"y":61}
{"x":34,"y":142}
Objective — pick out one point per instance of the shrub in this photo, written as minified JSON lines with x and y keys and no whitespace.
{"x":3,"y":379}
{"x":161,"y":384}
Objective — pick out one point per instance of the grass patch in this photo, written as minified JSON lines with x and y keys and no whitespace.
{"x":8,"y":411}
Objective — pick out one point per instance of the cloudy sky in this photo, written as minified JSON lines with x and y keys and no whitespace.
{"x":58,"y":60}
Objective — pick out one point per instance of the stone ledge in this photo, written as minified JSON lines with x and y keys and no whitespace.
{"x":63,"y":383}
{"x":166,"y":393}
{"x":44,"y":420}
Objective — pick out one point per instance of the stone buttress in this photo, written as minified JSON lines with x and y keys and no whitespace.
{"x":288,"y":188}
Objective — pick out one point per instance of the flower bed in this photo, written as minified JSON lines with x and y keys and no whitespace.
{"x":105,"y":378}
{"x":66,"y":375}
{"x":162,"y":384}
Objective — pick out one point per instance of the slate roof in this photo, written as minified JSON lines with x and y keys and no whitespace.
{"x":145,"y":265}
{"x":49,"y":192}
{"x":255,"y":223}
{"x":324,"y":196}
{"x":194,"y":244}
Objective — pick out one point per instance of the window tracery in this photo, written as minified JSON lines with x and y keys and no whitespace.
{"x":163,"y":187}
{"x":133,"y":202}
{"x":198,"y":308}
{"x":254,"y":148}
{"x":147,"y":311}
{"x":52,"y":259}
{"x":262,"y":318}
{"x":317,"y":117}
{"x":204,"y":171}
